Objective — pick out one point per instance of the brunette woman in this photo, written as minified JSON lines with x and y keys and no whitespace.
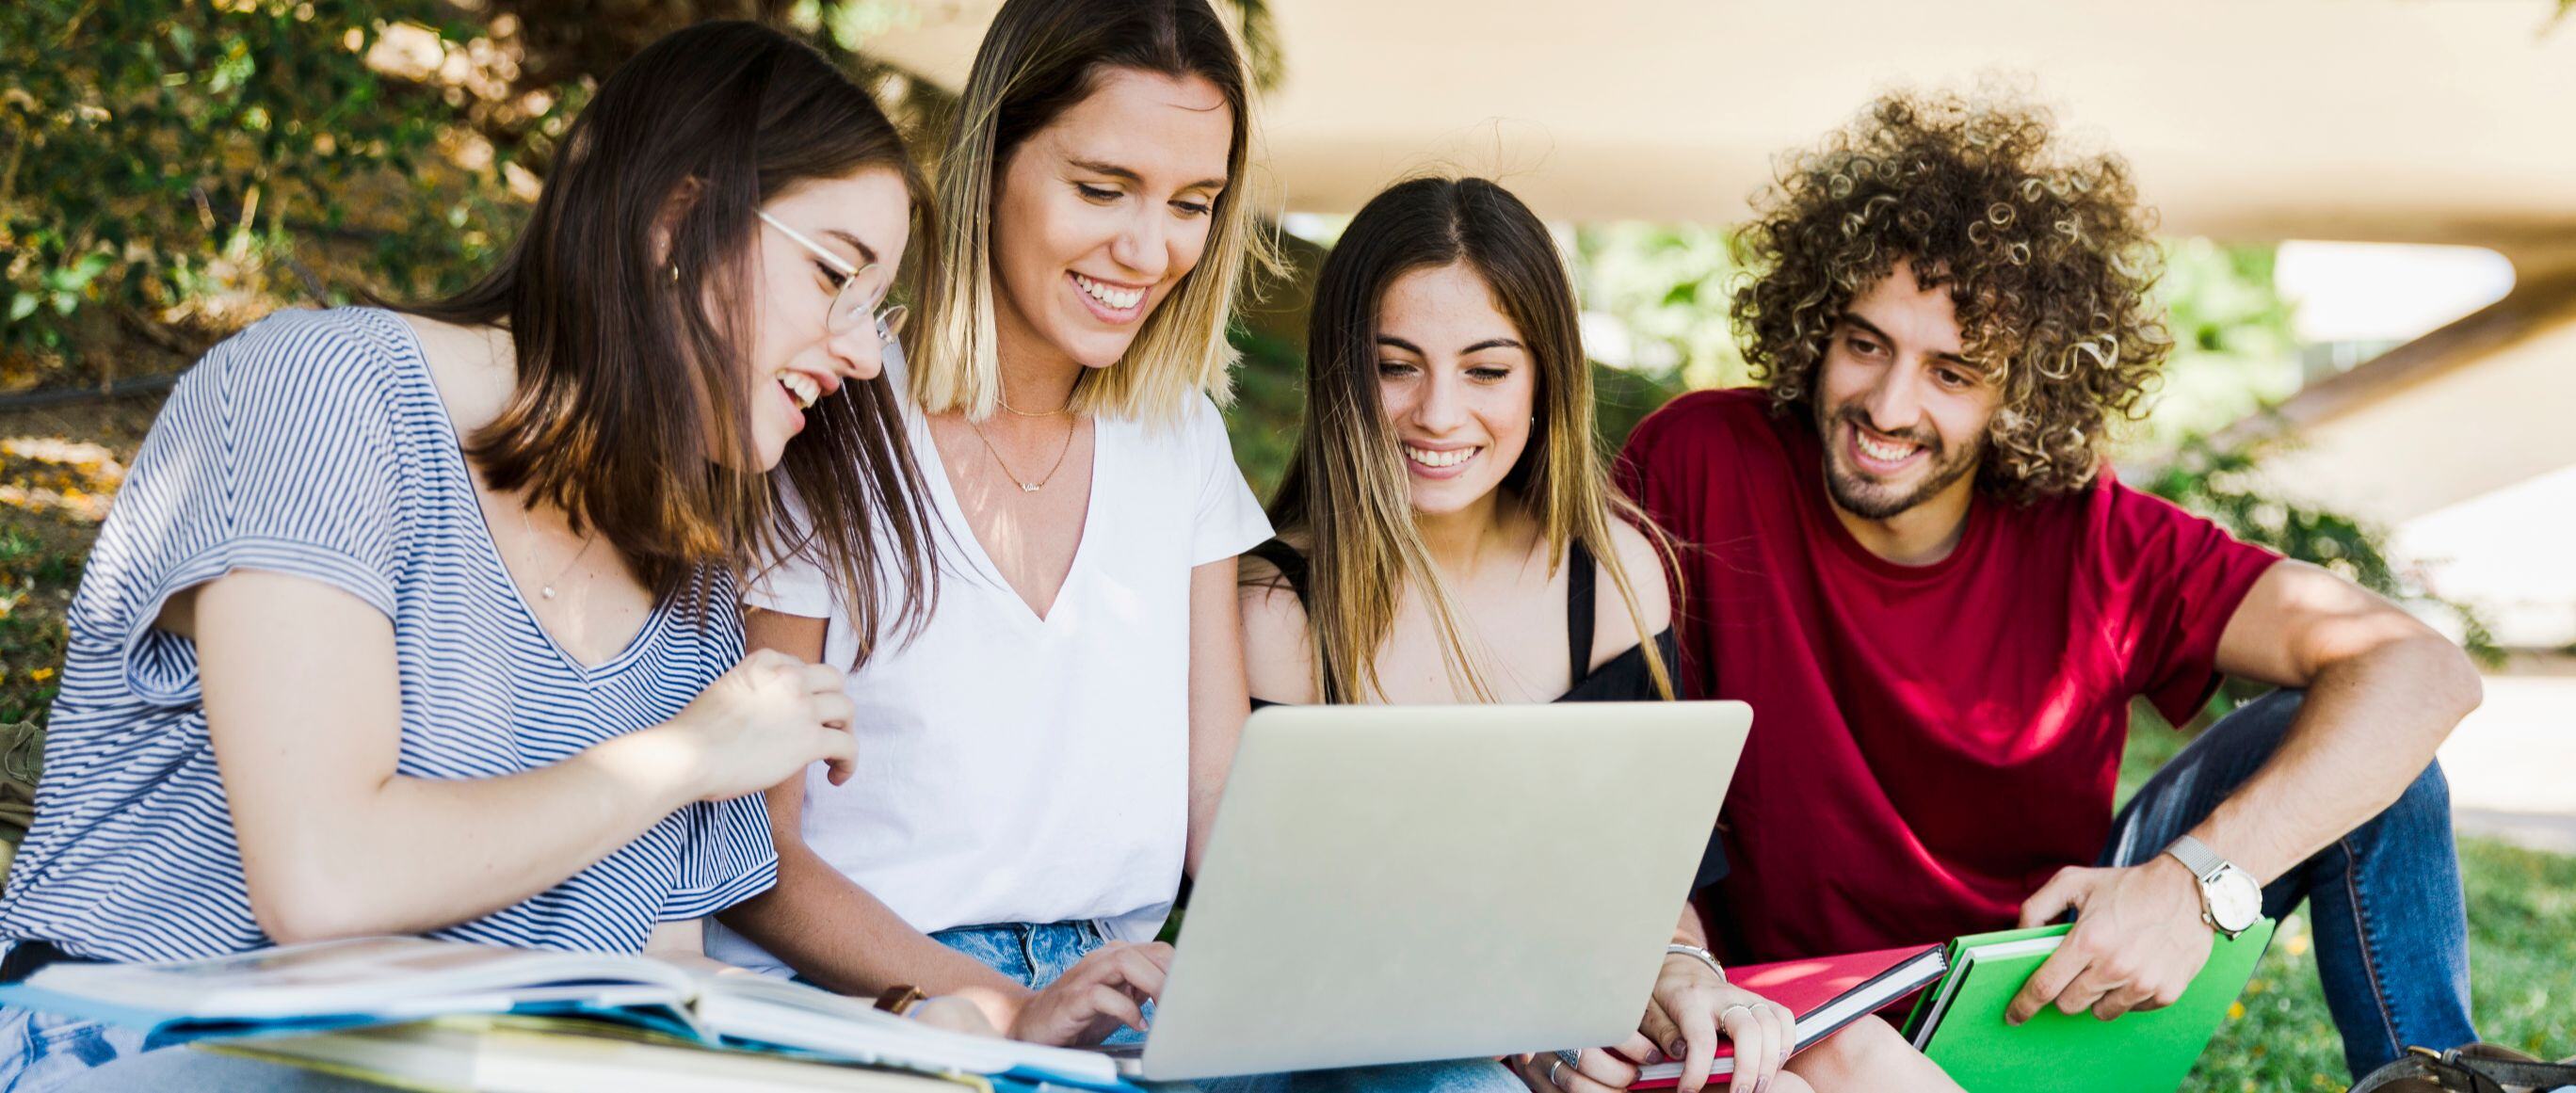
{"x":425,"y":622}
{"x":1448,"y":533}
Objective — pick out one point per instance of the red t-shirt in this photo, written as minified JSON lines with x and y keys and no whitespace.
{"x":1930,"y":744}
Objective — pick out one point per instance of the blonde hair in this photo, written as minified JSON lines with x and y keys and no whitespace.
{"x":1038,"y":59}
{"x":1345,"y":489}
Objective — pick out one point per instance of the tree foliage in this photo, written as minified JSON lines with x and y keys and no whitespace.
{"x":170,"y":169}
{"x":163,"y":159}
{"x":2224,"y":485}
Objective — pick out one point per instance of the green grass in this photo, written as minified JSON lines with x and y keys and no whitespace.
{"x":36,"y":583}
{"x":2522,"y":962}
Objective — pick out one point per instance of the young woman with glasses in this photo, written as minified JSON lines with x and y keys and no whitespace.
{"x":423,"y":622}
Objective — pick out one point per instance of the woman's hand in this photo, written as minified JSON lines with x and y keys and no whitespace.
{"x":763,"y":722}
{"x":1107,"y":989}
{"x":954,"y":1013}
{"x":1692,"y":1007}
{"x":1610,"y":1070}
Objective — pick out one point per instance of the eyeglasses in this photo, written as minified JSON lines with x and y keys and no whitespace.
{"x":862,"y":289}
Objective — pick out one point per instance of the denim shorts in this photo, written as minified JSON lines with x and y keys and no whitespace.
{"x":39,"y":1050}
{"x":1036,"y":954}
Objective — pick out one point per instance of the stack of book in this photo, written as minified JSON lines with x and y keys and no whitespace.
{"x":445,"y":1015}
{"x":1959,"y":1021}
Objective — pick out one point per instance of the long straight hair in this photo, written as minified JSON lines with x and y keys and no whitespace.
{"x":628,"y":295}
{"x":1040,"y":58}
{"x":1345,"y":489}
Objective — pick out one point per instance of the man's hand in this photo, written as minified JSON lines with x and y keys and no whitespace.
{"x":2137,"y":943}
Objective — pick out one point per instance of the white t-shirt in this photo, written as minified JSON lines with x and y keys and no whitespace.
{"x":1018,"y":769}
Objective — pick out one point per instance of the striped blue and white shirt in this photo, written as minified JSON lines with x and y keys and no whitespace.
{"x":314,"y":444}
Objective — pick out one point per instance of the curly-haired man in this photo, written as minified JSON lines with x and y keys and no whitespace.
{"x":1908,"y":555}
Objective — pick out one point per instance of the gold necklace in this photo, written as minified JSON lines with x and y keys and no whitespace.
{"x":492,"y":346}
{"x":1025,"y":487}
{"x":547,"y":590}
{"x":1015,"y":411}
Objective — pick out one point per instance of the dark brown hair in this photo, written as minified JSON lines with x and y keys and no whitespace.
{"x":627,"y":382}
{"x":1345,"y":487}
{"x":2047,"y":256}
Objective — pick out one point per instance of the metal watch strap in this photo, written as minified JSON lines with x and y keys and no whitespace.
{"x":1696,"y":953}
{"x":2196,"y":856}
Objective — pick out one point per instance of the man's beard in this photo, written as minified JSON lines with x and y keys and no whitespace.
{"x":1861,"y":496}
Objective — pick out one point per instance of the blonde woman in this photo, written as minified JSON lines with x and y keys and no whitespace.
{"x":1448,"y":534}
{"x":1042,"y":757}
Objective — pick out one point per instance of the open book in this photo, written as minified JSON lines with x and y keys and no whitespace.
{"x":1826,"y":993}
{"x":509,"y":1053}
{"x":389,"y":980}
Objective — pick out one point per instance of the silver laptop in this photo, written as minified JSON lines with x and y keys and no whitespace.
{"x":1394,"y":884}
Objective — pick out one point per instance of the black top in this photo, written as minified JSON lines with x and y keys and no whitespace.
{"x":1623,"y":678}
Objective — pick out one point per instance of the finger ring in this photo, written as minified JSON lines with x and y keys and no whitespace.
{"x":1721,"y":1014}
{"x":1552,"y":1068}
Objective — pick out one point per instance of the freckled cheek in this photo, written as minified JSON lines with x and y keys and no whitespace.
{"x":1507,"y":427}
{"x":1188,"y":246}
{"x":1394,"y":399}
{"x":1073,"y":229}
{"x":789,"y":313}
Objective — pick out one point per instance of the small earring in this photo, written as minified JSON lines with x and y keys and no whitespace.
{"x":675,"y":273}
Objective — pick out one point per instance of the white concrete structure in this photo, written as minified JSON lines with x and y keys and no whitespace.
{"x":2437,"y":121}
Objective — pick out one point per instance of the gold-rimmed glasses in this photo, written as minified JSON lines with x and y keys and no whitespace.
{"x":862,"y":289}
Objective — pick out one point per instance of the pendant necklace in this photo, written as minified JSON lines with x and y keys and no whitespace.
{"x":547,"y":590}
{"x":1025,"y":486}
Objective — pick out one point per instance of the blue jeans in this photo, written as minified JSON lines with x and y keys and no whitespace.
{"x":2392,"y":931}
{"x":1037,"y":954}
{"x":46,"y":1053}
{"x":41,"y":1050}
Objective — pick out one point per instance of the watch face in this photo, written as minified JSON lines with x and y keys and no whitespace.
{"x":2235,"y":901}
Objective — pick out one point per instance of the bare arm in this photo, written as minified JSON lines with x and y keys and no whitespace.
{"x":684,"y":943}
{"x":1218,"y":699}
{"x":820,"y":921}
{"x":1278,"y":654}
{"x":826,"y":926}
{"x":2383,"y":692}
{"x":303,"y":707}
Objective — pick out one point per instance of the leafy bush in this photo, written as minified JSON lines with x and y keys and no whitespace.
{"x":166,"y":164}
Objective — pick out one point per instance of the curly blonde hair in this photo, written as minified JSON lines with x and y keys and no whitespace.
{"x":2048,"y":258}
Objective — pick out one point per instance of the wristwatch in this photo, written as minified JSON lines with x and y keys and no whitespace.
{"x":1699,"y":954}
{"x":2230,"y":902}
{"x":900,"y":998}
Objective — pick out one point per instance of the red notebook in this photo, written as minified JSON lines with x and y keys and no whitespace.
{"x":1826,"y":993}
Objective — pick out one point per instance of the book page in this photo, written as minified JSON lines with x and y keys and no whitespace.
{"x":352,"y":976}
{"x":770,"y":1011}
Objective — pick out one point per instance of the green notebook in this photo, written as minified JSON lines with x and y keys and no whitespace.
{"x":1960,"y":1021}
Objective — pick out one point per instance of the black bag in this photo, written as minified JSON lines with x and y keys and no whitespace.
{"x":2476,"y":1068}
